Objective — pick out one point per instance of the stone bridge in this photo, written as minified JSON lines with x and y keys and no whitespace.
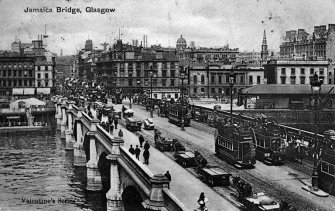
{"x":110,"y":167}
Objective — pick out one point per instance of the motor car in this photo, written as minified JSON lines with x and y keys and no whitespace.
{"x":133,"y":124}
{"x":148,"y":124}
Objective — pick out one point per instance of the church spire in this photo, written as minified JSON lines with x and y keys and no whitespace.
{"x":264,"y":52}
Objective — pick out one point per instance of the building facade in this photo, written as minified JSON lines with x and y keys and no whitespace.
{"x":297,"y":72}
{"x":213,"y":80}
{"x":304,"y":46}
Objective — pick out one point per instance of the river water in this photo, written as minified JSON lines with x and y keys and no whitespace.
{"x":37,"y":173}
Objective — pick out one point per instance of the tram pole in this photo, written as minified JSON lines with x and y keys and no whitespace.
{"x":231,"y":82}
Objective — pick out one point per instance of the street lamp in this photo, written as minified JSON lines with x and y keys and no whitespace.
{"x":231,"y":83}
{"x":130,"y":73}
{"x":152,"y":104}
{"x":182,"y":78}
{"x":316,"y":88}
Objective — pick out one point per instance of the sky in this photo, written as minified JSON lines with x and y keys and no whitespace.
{"x":210,"y":23}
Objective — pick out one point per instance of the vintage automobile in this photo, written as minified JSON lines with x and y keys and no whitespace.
{"x":164,"y":144}
{"x":133,"y":124}
{"x":148,"y":124}
{"x":185,"y":158}
{"x":117,"y":114}
{"x":128,"y":113}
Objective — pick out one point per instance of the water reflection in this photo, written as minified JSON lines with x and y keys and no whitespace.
{"x":38,"y":173}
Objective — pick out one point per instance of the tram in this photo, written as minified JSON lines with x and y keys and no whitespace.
{"x":235,"y":145}
{"x":268,"y":143}
{"x":326,"y":170}
{"x":175,"y":114}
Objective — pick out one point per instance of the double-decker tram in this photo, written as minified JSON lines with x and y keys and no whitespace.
{"x":176,"y":112}
{"x":268,"y":143}
{"x":234,"y":144}
{"x":326,"y":170}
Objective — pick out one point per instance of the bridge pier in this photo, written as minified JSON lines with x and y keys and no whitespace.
{"x":114,"y":196}
{"x":156,"y":201}
{"x":93,"y":174}
{"x":69,"y":140}
{"x":79,"y":153}
{"x":59,"y":114}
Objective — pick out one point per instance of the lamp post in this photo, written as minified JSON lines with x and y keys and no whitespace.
{"x":231,"y":83}
{"x":182,"y":78}
{"x":130,"y":73}
{"x":316,"y":88}
{"x":152,"y":104}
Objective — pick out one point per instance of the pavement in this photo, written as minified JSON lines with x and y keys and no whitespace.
{"x":183,"y":185}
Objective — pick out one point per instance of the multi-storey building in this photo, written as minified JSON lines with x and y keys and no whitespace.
{"x":16,"y":72}
{"x":135,"y":70}
{"x":316,"y":46}
{"x":213,"y":80}
{"x":223,"y":54}
{"x":297,"y":72}
{"x":249,"y":58}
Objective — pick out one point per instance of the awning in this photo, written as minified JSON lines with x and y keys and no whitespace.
{"x":17,"y":91}
{"x":13,"y":117}
{"x":29,"y":91}
{"x":45,"y":91}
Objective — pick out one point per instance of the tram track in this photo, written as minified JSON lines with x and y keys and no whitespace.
{"x":260,"y":183}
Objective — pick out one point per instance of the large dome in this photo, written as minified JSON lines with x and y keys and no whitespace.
{"x":181,"y":43}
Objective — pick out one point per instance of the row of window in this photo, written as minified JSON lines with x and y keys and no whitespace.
{"x":214,"y":91}
{"x":147,"y":65}
{"x":18,"y":65}
{"x":43,"y":68}
{"x":251,"y":79}
{"x":147,"y":82}
{"x":146,"y":73}
{"x":225,"y":144}
{"x":16,"y":83}
{"x":302,"y":71}
{"x":328,"y":168}
{"x":16,"y":73}
{"x":294,"y":81}
{"x":46,"y":75}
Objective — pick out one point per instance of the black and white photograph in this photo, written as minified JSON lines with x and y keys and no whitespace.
{"x":169,"y":105}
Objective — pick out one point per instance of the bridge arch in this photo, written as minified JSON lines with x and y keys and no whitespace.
{"x":132,"y":199}
{"x":104,"y":169}
{"x":86,"y":146}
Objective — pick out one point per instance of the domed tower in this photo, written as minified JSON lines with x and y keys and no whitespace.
{"x":181,"y":43}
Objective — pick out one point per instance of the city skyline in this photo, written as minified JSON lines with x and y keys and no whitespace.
{"x":209,"y":23}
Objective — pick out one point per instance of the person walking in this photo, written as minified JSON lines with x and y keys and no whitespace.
{"x":120,"y":133}
{"x":168,"y":176}
{"x":111,"y":128}
{"x":116,"y":122}
{"x":146,"y":156}
{"x":131,"y":149}
{"x":202,"y":201}
{"x":146,"y":146}
{"x":141,"y":139}
{"x":137,"y":152}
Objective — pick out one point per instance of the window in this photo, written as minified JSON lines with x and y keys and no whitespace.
{"x":302,"y":80}
{"x":30,"y":73}
{"x":329,"y":81}
{"x":311,"y":71}
{"x":38,"y":75}
{"x":46,"y":83}
{"x":202,"y":90}
{"x":251,"y":80}
{"x":212,"y":78}
{"x":283,"y":71}
{"x":195,"y":90}
{"x":154,"y":82}
{"x":121,"y":82}
{"x":227,"y":79}
{"x":172,"y":82}
{"x":20,"y":73}
{"x":172,"y":73}
{"x":155,"y":96}
{"x":330,"y":73}
{"x":321,"y":71}
{"x":130,"y":82}
{"x":283,"y":80}
{"x":163,"y":82}
{"x":146,"y":82}
{"x":146,"y":73}
{"x":46,"y":76}
{"x":202,"y":79}
{"x":242,"y":79}
{"x":138,"y":73}
{"x":164,"y":73}
{"x":292,"y":80}
{"x":302,"y":71}
{"x":212,"y":90}
{"x":258,"y":79}
{"x":20,"y":82}
{"x":292,"y":71}
{"x":220,"y":79}
{"x":195,"y":79}
{"x":4,"y":73}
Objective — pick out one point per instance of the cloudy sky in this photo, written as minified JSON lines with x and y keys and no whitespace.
{"x":210,"y":23}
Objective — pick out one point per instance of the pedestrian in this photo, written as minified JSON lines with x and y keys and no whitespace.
{"x":111,"y":128}
{"x":120,"y":133}
{"x":146,"y":146}
{"x":137,"y":152}
{"x":168,"y":176}
{"x":131,"y":149}
{"x":202,"y":201}
{"x":146,"y":156}
{"x":115,"y":123}
{"x":141,"y":139}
